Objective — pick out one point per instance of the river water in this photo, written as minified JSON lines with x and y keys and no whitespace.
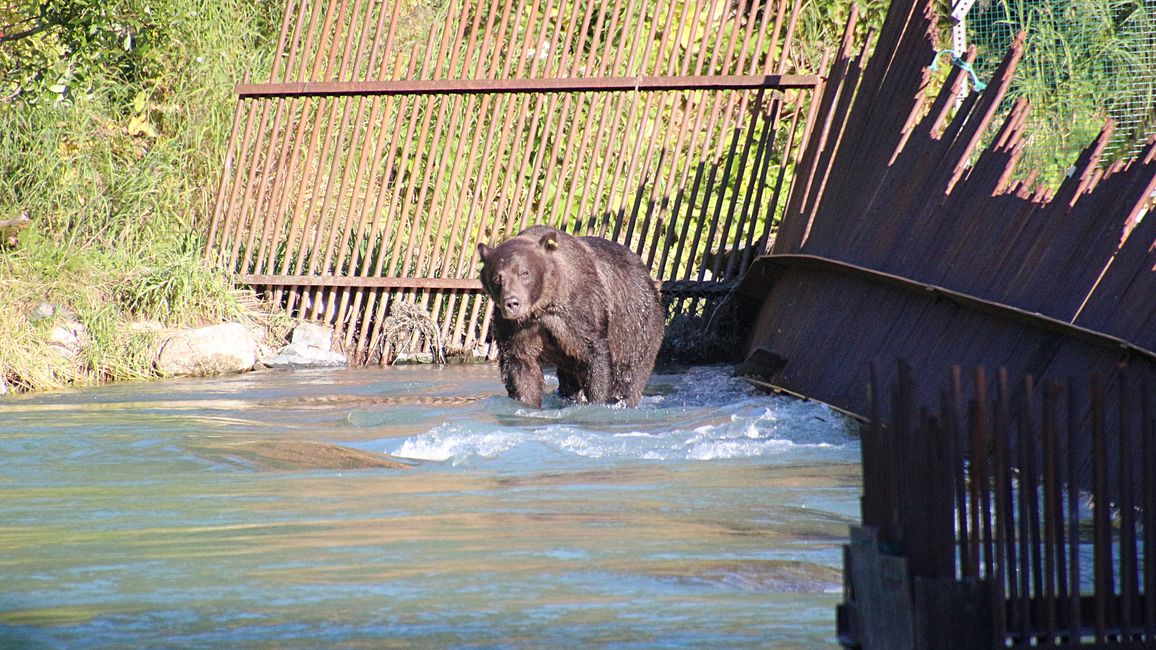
{"x":259,"y":511}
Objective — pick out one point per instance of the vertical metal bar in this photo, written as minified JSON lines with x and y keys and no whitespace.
{"x":1102,"y":531}
{"x":1073,"y":438}
{"x":399,"y":264}
{"x":229,"y":208}
{"x":332,"y":200}
{"x":1007,"y":571}
{"x":390,"y":224}
{"x":1127,"y":565}
{"x":370,"y":150}
{"x":1148,"y":446}
{"x":1053,"y":513}
{"x":469,"y":252}
{"x":228,"y":172}
{"x":465,"y":252}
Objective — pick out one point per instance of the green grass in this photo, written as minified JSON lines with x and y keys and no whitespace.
{"x":116,"y":164}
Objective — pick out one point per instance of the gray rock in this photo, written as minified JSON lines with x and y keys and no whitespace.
{"x":214,"y":350}
{"x":42,"y":311}
{"x":295,"y":355}
{"x":68,"y":339}
{"x":313,"y":335}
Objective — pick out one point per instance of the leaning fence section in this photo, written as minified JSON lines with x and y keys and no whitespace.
{"x":391,"y":139}
{"x":975,"y":501}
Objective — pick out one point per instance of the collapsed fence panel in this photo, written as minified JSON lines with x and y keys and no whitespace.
{"x":903,"y":238}
{"x":390,"y":140}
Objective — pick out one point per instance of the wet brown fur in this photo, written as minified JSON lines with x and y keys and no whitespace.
{"x":586,"y":305}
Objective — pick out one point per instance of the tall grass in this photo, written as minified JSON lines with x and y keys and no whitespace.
{"x":1084,"y":61}
{"x":116,"y":168}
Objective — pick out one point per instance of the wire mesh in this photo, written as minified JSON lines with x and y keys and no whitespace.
{"x":1085,"y":61}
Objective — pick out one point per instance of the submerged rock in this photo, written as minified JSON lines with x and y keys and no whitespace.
{"x":310,"y":347}
{"x":214,"y":350}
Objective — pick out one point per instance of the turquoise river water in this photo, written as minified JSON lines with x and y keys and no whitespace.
{"x":259,"y":511}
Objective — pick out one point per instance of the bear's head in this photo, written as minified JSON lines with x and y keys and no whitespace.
{"x":517,"y":274}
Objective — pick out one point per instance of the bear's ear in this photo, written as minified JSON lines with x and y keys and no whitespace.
{"x":484,"y":251}
{"x":549,"y":241}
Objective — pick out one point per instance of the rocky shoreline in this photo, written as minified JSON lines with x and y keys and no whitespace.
{"x":220,"y":349}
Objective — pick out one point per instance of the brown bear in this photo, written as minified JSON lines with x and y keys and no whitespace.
{"x":584,"y":304}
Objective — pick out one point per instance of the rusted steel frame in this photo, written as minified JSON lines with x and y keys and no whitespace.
{"x":375,"y":282}
{"x":595,"y":224}
{"x":690,"y":148}
{"x":439,"y":161}
{"x":628,"y":181}
{"x":672,"y":173}
{"x":701,"y":58}
{"x":332,"y":199}
{"x":496,"y":224}
{"x":228,"y":209}
{"x":445,"y":261}
{"x":488,"y":197}
{"x":469,"y":252}
{"x":978,"y":475}
{"x":409,"y":214}
{"x":331,"y":143}
{"x":1028,"y":523}
{"x":345,"y":235}
{"x":536,"y":129}
{"x":755,"y":291}
{"x":578,"y":26}
{"x":389,"y":223}
{"x":457,"y":267}
{"x":371,"y":146}
{"x":814,"y":168}
{"x":792,"y":155}
{"x":282,"y":40}
{"x":661,"y":183}
{"x":227,"y":172}
{"x":719,"y":237}
{"x":560,"y":222}
{"x":724,"y":237}
{"x":273,"y":221}
{"x":246,"y":180}
{"x":296,"y":39}
{"x":322,"y":55}
{"x":967,"y":562}
{"x":741,"y":65}
{"x":392,"y":107}
{"x":721,"y":138}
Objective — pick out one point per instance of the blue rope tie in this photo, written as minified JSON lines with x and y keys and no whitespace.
{"x":958,"y":62}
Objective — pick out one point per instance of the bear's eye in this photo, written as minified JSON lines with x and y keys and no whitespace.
{"x":525,"y":273}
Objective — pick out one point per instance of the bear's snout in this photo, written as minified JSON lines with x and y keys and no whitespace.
{"x":511,"y":307}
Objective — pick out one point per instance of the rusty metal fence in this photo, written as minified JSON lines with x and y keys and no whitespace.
{"x":392,"y":138}
{"x":1001,"y":544}
{"x":906,"y":237}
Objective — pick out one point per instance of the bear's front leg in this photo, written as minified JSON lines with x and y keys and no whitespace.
{"x":523,"y":378}
{"x":598,"y":377}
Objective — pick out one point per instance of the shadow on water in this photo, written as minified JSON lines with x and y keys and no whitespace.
{"x":417,"y":506}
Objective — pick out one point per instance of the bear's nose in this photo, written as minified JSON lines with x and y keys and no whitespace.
{"x":512,"y":305}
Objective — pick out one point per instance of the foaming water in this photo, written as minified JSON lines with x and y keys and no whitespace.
{"x":702,"y":414}
{"x":265,"y":510}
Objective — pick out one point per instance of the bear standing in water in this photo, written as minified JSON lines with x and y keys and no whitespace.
{"x":585,"y":304}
